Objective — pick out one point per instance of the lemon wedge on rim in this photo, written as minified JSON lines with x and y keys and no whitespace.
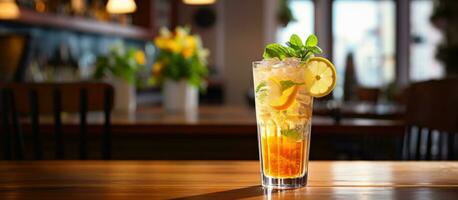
{"x":320,"y":76}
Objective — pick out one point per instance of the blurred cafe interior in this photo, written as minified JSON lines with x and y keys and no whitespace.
{"x":90,"y":79}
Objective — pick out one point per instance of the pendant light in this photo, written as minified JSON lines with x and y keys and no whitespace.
{"x":8,"y":9}
{"x":121,"y":6}
{"x":198,"y":2}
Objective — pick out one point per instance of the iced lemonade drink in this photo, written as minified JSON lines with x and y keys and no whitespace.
{"x":286,"y":82}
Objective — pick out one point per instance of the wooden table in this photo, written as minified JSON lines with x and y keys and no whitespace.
{"x":223,"y":180}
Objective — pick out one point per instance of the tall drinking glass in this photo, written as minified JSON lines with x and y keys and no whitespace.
{"x":283,"y":115}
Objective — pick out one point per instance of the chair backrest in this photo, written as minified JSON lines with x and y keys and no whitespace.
{"x":15,"y":56}
{"x":432,"y":118}
{"x":34,"y":99}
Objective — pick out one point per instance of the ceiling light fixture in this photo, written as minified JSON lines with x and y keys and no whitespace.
{"x":8,"y":9}
{"x":198,"y":2}
{"x":121,"y":6}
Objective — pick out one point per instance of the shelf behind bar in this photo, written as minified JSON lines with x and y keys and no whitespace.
{"x":81,"y":24}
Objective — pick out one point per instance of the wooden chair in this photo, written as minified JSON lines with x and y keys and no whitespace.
{"x":432,"y":119}
{"x":15,"y":56}
{"x":34,"y":99}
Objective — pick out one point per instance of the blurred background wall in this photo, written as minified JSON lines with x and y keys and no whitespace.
{"x":235,"y":41}
{"x":389,"y":43}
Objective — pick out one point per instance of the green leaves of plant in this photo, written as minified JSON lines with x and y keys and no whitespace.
{"x":295,"y":48}
{"x":119,"y":63}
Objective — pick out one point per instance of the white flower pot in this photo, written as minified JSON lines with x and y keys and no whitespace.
{"x":125,"y":99}
{"x":180,"y":96}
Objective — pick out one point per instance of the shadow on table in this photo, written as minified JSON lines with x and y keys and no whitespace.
{"x":246,"y":192}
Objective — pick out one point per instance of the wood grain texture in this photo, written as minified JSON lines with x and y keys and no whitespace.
{"x":222,"y":180}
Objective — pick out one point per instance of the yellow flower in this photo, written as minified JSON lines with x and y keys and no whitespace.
{"x":157,"y":68}
{"x":174,"y":46}
{"x":188,"y":52}
{"x":164,"y":32}
{"x":181,"y":32}
{"x":161,"y":42}
{"x":140,"y":57}
{"x":190,"y":42}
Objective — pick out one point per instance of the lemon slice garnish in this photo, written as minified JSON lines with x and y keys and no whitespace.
{"x":286,"y":99}
{"x":320,"y":76}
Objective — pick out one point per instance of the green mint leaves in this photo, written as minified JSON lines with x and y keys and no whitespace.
{"x":295,"y":42}
{"x":312,"y":41}
{"x":295,"y":48}
{"x":287,"y":84}
{"x":261,"y":86}
{"x":261,"y":91}
{"x":294,"y":134}
{"x":277,"y":50}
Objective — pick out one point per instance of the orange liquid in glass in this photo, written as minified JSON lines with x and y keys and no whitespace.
{"x":283,"y":157}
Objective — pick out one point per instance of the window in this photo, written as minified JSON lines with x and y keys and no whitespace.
{"x":303,"y":12}
{"x":366,"y":29}
{"x":425,"y":38}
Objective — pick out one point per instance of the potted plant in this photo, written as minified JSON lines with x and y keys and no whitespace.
{"x":120,"y":67}
{"x":285,"y":15}
{"x":181,"y":68}
{"x":444,"y":17}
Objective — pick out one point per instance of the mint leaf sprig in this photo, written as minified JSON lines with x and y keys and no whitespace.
{"x":288,"y":84}
{"x":294,"y":134}
{"x":294,"y":48}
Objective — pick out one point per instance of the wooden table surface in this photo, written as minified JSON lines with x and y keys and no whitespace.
{"x":223,"y":180}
